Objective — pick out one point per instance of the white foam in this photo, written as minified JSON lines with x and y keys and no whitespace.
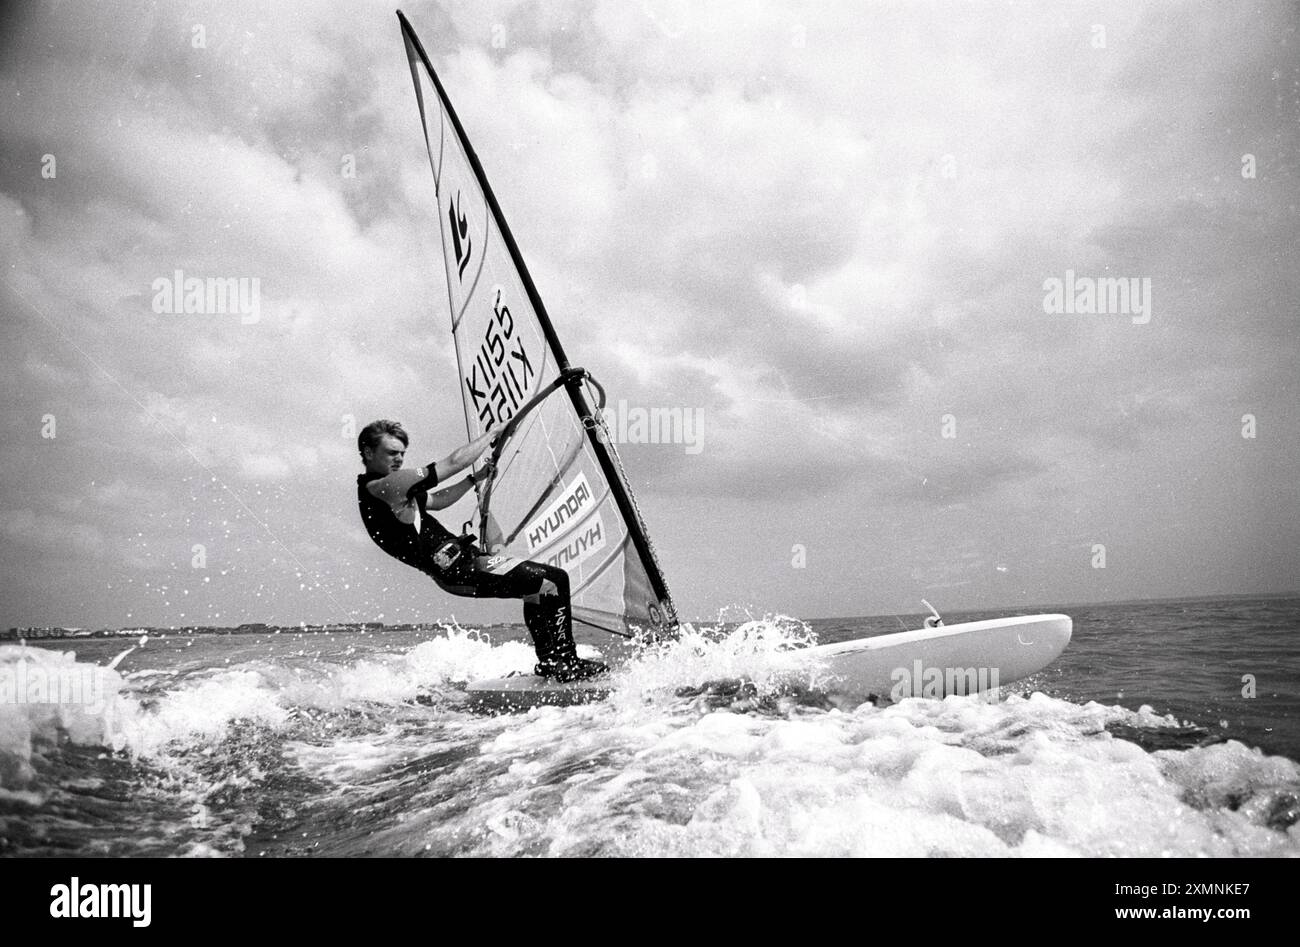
{"x":646,"y":774}
{"x":200,"y":709}
{"x":649,"y":772}
{"x":763,"y":653}
{"x":37,"y":705}
{"x":1025,"y":776}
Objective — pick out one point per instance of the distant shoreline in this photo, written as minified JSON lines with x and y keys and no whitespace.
{"x":82,"y":634}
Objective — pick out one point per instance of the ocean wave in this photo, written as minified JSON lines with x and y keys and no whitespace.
{"x":719,"y":743}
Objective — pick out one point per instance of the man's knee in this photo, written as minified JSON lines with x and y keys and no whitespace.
{"x":551,"y":585}
{"x":559,"y":579}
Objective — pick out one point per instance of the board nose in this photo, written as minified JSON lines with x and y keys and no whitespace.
{"x":1049,"y":632}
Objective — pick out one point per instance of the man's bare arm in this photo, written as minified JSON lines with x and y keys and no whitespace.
{"x":441,"y":499}
{"x":493,"y":537}
{"x":462,"y":457}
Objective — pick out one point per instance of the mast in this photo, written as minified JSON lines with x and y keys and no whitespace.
{"x":608,"y":466}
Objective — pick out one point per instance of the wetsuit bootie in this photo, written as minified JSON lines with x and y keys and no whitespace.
{"x":557,"y":655}
{"x":569,"y":669}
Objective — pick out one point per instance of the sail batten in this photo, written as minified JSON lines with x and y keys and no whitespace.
{"x":562,"y":490}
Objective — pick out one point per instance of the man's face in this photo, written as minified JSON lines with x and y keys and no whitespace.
{"x":387,"y":457}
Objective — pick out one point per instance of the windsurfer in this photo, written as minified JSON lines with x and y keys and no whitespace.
{"x":395,"y":501}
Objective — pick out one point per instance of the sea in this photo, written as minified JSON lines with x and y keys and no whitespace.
{"x":1165,"y":729}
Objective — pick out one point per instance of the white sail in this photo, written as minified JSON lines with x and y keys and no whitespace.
{"x":559,"y":494}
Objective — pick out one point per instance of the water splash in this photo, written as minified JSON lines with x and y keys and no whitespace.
{"x":717,"y":743}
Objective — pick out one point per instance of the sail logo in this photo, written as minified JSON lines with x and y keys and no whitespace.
{"x":460,"y":239}
{"x":561,"y":515}
{"x":581,"y":547}
{"x":500,"y":375}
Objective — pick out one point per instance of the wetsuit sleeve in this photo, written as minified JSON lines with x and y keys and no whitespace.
{"x":427,"y":482}
{"x":397,"y":488}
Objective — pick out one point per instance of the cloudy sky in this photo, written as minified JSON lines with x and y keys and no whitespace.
{"x":824,"y":230}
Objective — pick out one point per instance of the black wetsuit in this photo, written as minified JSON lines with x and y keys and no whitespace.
{"x":548,"y":619}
